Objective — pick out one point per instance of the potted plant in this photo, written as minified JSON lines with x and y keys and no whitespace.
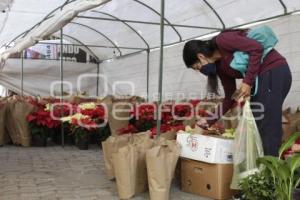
{"x":285,"y":173}
{"x":296,"y":193}
{"x":39,"y":135}
{"x":68,"y":136}
{"x":85,"y":123}
{"x":81,"y":127}
{"x":258,"y":186}
{"x":82,"y":136}
{"x":296,"y":149}
{"x":41,"y":124}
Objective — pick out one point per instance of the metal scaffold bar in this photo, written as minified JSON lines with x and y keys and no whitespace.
{"x":149,"y":23}
{"x":22,"y":73}
{"x":98,"y":72}
{"x":148,"y":71}
{"x":62,"y":87}
{"x":161,"y":58}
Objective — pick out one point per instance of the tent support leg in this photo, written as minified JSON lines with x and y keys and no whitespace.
{"x":148,"y":70}
{"x":62,"y":87}
{"x":22,"y":73}
{"x":160,"y":67}
{"x":98,"y":72}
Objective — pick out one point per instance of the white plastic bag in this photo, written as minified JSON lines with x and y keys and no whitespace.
{"x":248,"y":147}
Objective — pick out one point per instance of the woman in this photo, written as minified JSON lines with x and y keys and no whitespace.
{"x":213,"y":57}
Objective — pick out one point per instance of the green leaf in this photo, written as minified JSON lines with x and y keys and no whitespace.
{"x":297,"y":184}
{"x":294,"y":162}
{"x":271,"y":164}
{"x":258,"y":186}
{"x":284,"y":171}
{"x":288,"y":143}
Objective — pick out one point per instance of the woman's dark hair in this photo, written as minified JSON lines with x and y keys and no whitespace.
{"x":207,"y":48}
{"x":212,"y":86}
{"x":193,"y":47}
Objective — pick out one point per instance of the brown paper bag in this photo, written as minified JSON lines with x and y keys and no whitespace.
{"x":134,"y":180}
{"x":161,"y":162}
{"x":125,"y":163}
{"x":118,"y":120}
{"x":198,"y":130}
{"x":143,"y":144}
{"x":169,"y":135}
{"x":230,"y":119}
{"x":20,"y":112}
{"x":190,"y":122}
{"x":106,"y":100}
{"x":4,"y":138}
{"x":11,"y":124}
{"x":110,"y":146}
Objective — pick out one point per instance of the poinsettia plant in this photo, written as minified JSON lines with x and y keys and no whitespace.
{"x":88,"y":119}
{"x":41,"y":122}
{"x":143,"y":117}
{"x":82,"y":126}
{"x":165,"y":128}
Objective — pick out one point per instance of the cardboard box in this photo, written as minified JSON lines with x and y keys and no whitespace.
{"x":207,"y":180}
{"x":206,"y":148}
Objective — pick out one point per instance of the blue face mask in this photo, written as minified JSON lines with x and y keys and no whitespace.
{"x":209,"y":69}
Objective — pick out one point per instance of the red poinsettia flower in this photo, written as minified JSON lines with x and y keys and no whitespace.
{"x":129,"y":129}
{"x":97,"y":113}
{"x":183,"y":110}
{"x":145,"y":112}
{"x":31,"y":117}
{"x":203,"y":113}
{"x":163,"y":128}
{"x":85,"y":122}
{"x":194,"y":102}
{"x":43,"y":118}
{"x":178,"y":127}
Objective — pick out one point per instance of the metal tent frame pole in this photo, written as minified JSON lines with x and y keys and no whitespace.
{"x":147,"y":22}
{"x":100,"y":33}
{"x":126,"y":24}
{"x":92,"y":45}
{"x":49,"y":15}
{"x":22,"y":73}
{"x":162,"y":25}
{"x":148,"y":70}
{"x":166,"y":21}
{"x":62,"y":87}
{"x":98,"y":72}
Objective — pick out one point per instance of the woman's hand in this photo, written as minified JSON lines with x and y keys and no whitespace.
{"x":244,"y":91}
{"x":296,"y":148}
{"x":202,"y":123}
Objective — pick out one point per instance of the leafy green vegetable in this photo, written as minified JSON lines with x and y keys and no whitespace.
{"x":259,"y":186}
{"x":278,"y":179}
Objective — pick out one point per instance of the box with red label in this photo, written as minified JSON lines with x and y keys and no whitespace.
{"x":211,"y":149}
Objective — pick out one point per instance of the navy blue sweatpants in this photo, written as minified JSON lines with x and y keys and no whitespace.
{"x":273,"y":87}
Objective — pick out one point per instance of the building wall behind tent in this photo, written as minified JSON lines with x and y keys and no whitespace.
{"x":178,"y":81}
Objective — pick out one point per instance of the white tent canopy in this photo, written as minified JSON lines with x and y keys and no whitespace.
{"x":129,"y":26}
{"x":126,"y":27}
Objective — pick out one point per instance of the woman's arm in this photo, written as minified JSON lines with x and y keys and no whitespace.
{"x":229,"y":86}
{"x":238,"y":41}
